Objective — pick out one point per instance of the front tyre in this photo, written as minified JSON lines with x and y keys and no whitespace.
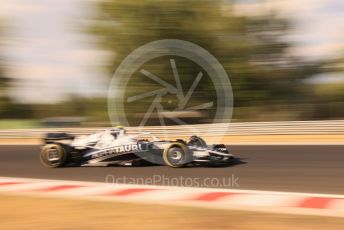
{"x":53,"y":155}
{"x":177,"y":155}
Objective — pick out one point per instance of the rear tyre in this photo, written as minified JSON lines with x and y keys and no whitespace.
{"x":177,"y":155}
{"x":53,"y":156}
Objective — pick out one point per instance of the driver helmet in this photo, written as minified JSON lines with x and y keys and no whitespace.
{"x":118,"y":130}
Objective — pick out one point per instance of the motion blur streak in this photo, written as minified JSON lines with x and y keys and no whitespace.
{"x":284,"y":60}
{"x":313,"y":169}
{"x":55,"y":71}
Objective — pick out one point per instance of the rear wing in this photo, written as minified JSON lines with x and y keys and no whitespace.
{"x":56,"y":137}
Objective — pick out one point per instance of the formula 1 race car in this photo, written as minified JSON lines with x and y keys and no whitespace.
{"x":115,"y":147}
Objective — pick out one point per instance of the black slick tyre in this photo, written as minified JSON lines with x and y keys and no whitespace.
{"x":53,"y":156}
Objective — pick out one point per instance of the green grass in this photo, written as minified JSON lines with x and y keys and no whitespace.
{"x":18,"y":124}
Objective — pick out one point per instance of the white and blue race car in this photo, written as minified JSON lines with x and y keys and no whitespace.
{"x":114,"y":147}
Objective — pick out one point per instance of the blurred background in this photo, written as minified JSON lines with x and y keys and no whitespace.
{"x":285,"y":58}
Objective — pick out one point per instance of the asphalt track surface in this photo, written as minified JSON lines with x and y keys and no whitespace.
{"x":314,"y":169}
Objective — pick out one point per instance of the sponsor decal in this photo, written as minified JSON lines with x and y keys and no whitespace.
{"x":120,"y":149}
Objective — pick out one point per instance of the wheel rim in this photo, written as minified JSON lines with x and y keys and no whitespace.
{"x":53,"y":155}
{"x":175,"y":156}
